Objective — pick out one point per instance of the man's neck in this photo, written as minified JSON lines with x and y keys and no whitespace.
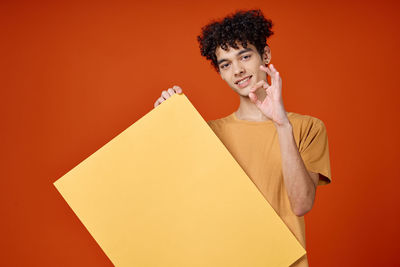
{"x":249,"y":111}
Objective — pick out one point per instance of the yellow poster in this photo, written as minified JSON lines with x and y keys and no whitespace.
{"x":166,"y":192}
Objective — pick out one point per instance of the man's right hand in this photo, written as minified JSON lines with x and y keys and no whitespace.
{"x":167,"y":94}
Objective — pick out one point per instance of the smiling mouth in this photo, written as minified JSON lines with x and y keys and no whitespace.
{"x":244,"y":82}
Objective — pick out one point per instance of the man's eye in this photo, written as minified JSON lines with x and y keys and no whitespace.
{"x":246,"y":57}
{"x":224,"y":66}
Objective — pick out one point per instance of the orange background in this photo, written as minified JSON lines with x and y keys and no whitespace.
{"x":74,"y":75}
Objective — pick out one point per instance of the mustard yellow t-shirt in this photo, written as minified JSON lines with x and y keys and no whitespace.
{"x":255,"y":146}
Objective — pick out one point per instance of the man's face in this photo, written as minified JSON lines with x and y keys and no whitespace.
{"x":240,"y":68}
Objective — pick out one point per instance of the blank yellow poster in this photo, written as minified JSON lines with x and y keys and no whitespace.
{"x":166,"y":192}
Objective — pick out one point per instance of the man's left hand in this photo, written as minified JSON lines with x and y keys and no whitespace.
{"x":272,"y":106}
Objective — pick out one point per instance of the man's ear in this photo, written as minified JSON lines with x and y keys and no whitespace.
{"x":267,"y":55}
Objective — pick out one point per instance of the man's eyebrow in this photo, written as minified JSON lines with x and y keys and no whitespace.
{"x":238,"y":54}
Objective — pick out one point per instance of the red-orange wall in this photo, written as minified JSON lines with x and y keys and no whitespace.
{"x":74,"y":75}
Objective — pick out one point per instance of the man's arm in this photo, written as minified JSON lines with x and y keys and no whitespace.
{"x":300,"y":184}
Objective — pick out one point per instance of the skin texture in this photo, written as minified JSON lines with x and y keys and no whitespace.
{"x":262,"y":101}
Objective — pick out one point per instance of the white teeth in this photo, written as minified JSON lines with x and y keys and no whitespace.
{"x":245,"y":80}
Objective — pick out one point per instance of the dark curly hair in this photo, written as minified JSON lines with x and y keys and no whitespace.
{"x":243,"y":27}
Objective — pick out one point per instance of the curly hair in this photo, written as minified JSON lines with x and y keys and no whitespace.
{"x":243,"y":27}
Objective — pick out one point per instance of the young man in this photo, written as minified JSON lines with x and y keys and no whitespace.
{"x":285,"y":154}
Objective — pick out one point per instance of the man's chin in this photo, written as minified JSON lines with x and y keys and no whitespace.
{"x":244,"y":93}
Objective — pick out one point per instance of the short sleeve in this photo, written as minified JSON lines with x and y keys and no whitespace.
{"x":211,"y":125}
{"x":314,"y":150}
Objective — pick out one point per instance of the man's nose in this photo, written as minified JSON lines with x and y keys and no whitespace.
{"x":238,"y":69}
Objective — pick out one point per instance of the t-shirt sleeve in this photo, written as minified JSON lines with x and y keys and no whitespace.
{"x":314,"y":150}
{"x":211,"y":124}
